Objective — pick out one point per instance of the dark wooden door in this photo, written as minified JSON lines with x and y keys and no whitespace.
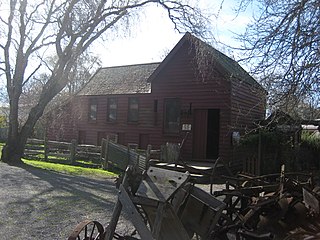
{"x":200,"y":134}
{"x":143,"y":141}
{"x":206,"y":134}
{"x":213,"y":127}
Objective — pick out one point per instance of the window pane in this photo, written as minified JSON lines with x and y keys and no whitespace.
{"x":172,"y":116}
{"x":93,"y":109}
{"x":112,"y":109}
{"x":133,"y":110}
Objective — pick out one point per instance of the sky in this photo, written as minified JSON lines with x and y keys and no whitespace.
{"x":154,"y":36}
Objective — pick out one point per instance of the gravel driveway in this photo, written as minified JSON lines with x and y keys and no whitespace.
{"x":40,"y":204}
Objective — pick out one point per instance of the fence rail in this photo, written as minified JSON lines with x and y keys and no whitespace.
{"x":63,"y":152}
{"x":109,"y":155}
{"x":119,"y":156}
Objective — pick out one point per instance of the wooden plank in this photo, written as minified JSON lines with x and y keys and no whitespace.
{"x":34,"y":147}
{"x":35,"y":141}
{"x":171,"y":226}
{"x":33,"y":151}
{"x":201,"y":212}
{"x":158,"y":220}
{"x":133,"y":214}
{"x":142,"y":163}
{"x":88,"y":154}
{"x":60,"y":155}
{"x":161,"y":184}
{"x":311,"y":200}
{"x":58,"y":144}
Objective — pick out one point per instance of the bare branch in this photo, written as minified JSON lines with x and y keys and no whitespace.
{"x":65,"y":29}
{"x":31,"y":75}
{"x":283,"y":44}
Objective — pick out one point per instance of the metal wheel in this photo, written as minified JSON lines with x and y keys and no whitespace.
{"x":120,"y":237}
{"x":302,"y":236}
{"x":87,"y":230}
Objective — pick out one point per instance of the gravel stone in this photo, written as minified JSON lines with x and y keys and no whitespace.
{"x":40,"y":204}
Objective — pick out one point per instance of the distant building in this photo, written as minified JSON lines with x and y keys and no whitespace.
{"x":312,"y":127}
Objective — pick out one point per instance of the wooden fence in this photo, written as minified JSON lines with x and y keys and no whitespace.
{"x":119,"y":156}
{"x":109,"y":155}
{"x":63,"y":152}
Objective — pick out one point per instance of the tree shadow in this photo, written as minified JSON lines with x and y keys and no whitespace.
{"x":89,"y":188}
{"x":40,"y":203}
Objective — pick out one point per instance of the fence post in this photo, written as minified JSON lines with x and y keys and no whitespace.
{"x":105,"y":156}
{"x":46,"y":148}
{"x":148,"y":156}
{"x":73,"y":149}
{"x":103,"y":152}
{"x":132,"y":147}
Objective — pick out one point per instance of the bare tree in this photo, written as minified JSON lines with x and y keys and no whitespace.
{"x":283,"y":44}
{"x":84,"y":67}
{"x":31,"y":30}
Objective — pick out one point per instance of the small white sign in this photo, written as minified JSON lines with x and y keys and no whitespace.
{"x":186,"y":127}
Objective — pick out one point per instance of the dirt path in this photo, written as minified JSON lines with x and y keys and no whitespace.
{"x":39,"y":204}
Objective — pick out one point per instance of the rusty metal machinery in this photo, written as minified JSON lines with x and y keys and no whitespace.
{"x":163,"y":205}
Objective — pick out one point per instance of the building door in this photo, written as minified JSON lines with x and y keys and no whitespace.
{"x":100,"y":136}
{"x":143,"y":140}
{"x":81,"y":137}
{"x":206,"y":134}
{"x":213,"y":126}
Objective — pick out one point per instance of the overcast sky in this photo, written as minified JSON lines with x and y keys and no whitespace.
{"x":155,"y":36}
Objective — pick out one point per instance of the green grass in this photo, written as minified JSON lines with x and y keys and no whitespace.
{"x":72,"y":170}
{"x":68,"y":169}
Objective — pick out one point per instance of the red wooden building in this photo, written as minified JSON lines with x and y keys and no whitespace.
{"x":196,"y":89}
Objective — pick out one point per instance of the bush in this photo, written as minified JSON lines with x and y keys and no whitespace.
{"x":268,"y":139}
{"x":276,"y":149}
{"x":310,"y":141}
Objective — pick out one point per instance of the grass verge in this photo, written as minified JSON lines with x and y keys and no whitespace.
{"x":68,"y":169}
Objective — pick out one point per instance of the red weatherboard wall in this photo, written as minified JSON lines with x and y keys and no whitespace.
{"x":179,"y":78}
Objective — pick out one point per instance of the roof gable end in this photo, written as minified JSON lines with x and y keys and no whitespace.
{"x":231,"y":69}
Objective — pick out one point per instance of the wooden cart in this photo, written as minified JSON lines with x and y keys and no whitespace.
{"x":162,"y":205}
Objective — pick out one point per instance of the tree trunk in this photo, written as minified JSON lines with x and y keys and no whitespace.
{"x":13,"y":150}
{"x":12,"y":153}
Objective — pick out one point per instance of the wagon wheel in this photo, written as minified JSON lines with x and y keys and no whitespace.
{"x":87,"y":230}
{"x":223,"y":228}
{"x":301,"y":235}
{"x":119,"y":236}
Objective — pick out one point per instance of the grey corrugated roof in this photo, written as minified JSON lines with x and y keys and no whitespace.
{"x":120,"y":80}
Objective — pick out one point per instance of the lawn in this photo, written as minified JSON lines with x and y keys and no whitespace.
{"x":69,"y":169}
{"x":72,"y":170}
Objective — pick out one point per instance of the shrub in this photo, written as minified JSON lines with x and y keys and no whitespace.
{"x":310,"y":141}
{"x":268,"y":139}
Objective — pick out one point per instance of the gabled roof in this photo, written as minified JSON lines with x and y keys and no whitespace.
{"x":137,"y":78}
{"x":120,"y":80}
{"x":231,"y":68}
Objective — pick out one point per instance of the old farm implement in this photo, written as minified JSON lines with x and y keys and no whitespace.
{"x":161,"y":204}
{"x":165,"y":204}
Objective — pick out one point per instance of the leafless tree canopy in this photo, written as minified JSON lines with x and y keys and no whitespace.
{"x":32,"y":30}
{"x":284,"y":47}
